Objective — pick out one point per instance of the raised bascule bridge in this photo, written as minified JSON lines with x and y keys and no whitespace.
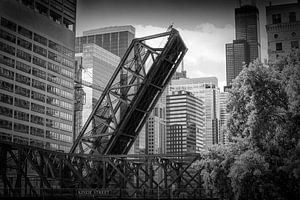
{"x":97,"y":165}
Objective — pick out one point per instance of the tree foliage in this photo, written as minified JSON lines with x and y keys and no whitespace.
{"x":262,"y":160}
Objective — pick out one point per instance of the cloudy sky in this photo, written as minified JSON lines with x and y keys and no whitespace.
{"x":205,"y":25}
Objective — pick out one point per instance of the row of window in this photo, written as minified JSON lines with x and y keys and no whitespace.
{"x":294,"y":45}
{"x":33,"y":142}
{"x":35,"y":83}
{"x":36,"y":37}
{"x":277,"y":19}
{"x":34,"y":119}
{"x":22,"y":103}
{"x":38,"y":61}
{"x":39,"y":50}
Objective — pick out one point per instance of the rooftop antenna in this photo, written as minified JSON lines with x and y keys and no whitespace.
{"x":170,"y":26}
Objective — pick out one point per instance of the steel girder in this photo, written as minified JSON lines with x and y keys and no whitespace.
{"x":130,"y":95}
{"x":31,"y":171}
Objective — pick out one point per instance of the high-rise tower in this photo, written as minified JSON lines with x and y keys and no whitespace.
{"x":37,"y":72}
{"x":246,"y":47}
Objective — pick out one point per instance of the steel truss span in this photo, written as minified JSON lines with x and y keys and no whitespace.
{"x":31,"y":171}
{"x":130,"y":95}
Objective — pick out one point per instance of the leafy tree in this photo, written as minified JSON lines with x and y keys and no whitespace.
{"x":263,"y":159}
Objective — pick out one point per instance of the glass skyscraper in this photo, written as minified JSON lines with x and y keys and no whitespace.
{"x":246,"y":47}
{"x":114,"y":39}
{"x":37,"y":72}
{"x":206,"y":89}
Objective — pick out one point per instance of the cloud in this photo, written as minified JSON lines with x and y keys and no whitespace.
{"x":206,"y":48}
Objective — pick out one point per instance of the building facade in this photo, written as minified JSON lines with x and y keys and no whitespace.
{"x":37,"y":72}
{"x":224,"y":115}
{"x":114,"y":39}
{"x":246,"y":47}
{"x":206,"y":89}
{"x":96,"y":65}
{"x":184,"y":123}
{"x":283,"y":30}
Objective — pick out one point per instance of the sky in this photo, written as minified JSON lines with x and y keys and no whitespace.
{"x":205,"y":26}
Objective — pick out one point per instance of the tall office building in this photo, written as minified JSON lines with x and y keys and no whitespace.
{"x":224,"y":115}
{"x":283,"y":30}
{"x":246,"y":47}
{"x":96,"y":65}
{"x":37,"y":72}
{"x":184,"y":123}
{"x":206,"y":89}
{"x":156,"y":129}
{"x":115,"y":39}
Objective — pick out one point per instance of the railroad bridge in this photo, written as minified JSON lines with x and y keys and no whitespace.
{"x":97,"y":164}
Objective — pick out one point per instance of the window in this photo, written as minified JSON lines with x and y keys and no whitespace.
{"x":53,"y":90}
{"x":53,"y":67}
{"x":39,"y":50}
{"x":8,"y":24}
{"x":66,"y":127}
{"x":66,"y":83}
{"x":37,"y":120}
{"x":7,"y":61}
{"x":275,"y":36}
{"x":66,"y":116}
{"x":21,"y":128}
{"x":67,"y":52}
{"x":25,"y":32}
{"x":38,"y":108}
{"x":295,"y":44}
{"x":40,"y":62}
{"x":68,"y":24}
{"x":54,"y":46}
{"x":38,"y":84}
{"x":54,"y":56}
{"x":6,"y":86}
{"x":23,"y":67}
{"x":21,"y":115}
{"x":278,"y":46}
{"x":22,"y":79}
{"x":66,"y":94}
{"x":21,"y":140}
{"x":7,"y":36}
{"x":52,"y":101}
{"x":22,"y":103}
{"x":7,"y":73}
{"x":292,"y":16}
{"x":276,"y":18}
{"x":67,"y":63}
{"x":6,"y":111}
{"x":55,"y":17}
{"x":67,"y":73}
{"x":66,"y":105}
{"x":5,"y":124}
{"x":40,"y":39}
{"x":37,"y":96}
{"x":23,"y":55}
{"x":37,"y":131}
{"x":52,"y":123}
{"x":25,"y":44}
{"x":36,"y":143}
{"x":6,"y":99}
{"x":22,"y":91}
{"x":53,"y":78}
{"x":52,"y":112}
{"x":7,"y":48}
{"x":38,"y":73}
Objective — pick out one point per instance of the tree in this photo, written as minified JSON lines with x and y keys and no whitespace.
{"x":263,"y":159}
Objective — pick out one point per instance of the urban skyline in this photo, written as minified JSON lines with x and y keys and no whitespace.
{"x":209,"y":24}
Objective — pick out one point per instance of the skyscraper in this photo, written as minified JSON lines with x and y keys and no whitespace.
{"x":224,"y":115}
{"x":185,"y":119}
{"x":283,"y":30}
{"x":115,"y":39}
{"x":246,"y":47}
{"x":37,"y":72}
{"x":206,"y":89}
{"x":96,"y":67}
